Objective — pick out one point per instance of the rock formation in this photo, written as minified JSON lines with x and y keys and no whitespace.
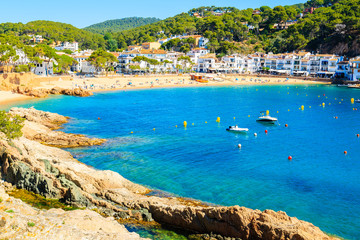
{"x":38,"y":126}
{"x":20,"y":221}
{"x":54,"y":173}
{"x":42,"y":93}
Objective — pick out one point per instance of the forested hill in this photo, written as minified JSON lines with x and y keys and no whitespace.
{"x":332,"y":27}
{"x":119,"y":25}
{"x":54,"y":31}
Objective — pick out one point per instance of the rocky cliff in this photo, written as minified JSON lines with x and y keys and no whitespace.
{"x":27,"y":163}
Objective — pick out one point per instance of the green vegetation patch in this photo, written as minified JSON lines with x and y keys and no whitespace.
{"x":11,"y":126}
{"x":31,"y":224}
{"x":39,"y":201}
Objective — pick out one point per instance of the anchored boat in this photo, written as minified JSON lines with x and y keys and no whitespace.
{"x":266,"y":118}
{"x":237,"y":129}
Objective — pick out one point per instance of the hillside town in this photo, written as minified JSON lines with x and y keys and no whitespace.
{"x":149,"y":57}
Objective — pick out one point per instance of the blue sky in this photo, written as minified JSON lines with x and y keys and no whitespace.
{"x":82,"y":13}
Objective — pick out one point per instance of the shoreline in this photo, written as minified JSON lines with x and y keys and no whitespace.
{"x":8,"y":97}
{"x":109,"y":84}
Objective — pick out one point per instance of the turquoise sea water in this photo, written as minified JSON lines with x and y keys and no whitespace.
{"x":321,"y":184}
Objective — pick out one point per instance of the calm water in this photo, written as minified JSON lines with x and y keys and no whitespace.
{"x":320,"y":184}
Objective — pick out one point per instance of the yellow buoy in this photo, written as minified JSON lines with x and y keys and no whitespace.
{"x":176,"y":126}
{"x":131,"y":132}
{"x":248,"y":115}
{"x":267,"y":112}
{"x":205,"y":121}
{"x":323,"y":104}
{"x":185,"y":123}
{"x":234,"y":118}
{"x":329,"y":103}
{"x":352,"y":101}
{"x":302,"y":107}
{"x":218,"y":119}
{"x":277,"y":111}
{"x":154,"y":129}
{"x":193,"y":124}
{"x":309,"y":106}
{"x":288,"y":110}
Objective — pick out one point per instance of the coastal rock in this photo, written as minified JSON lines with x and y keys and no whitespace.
{"x":39,"y":93}
{"x":48,"y":119}
{"x":76,"y":92}
{"x":38,"y":126}
{"x":237,"y":222}
{"x":42,"y":93}
{"x":20,"y":221}
{"x":74,"y":197}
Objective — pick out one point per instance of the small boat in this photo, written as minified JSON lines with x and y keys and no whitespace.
{"x":236,"y":129}
{"x":357,"y":100}
{"x":343,"y":85}
{"x":266,"y":118}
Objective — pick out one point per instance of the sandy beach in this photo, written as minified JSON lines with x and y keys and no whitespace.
{"x":163,"y":81}
{"x":112,"y":83}
{"x":8,"y":97}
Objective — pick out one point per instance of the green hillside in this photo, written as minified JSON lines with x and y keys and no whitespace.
{"x":334,"y":27}
{"x":54,"y":31}
{"x":119,"y":25}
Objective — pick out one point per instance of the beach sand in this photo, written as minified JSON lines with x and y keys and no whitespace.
{"x":112,"y":83}
{"x":163,"y":81}
{"x":9,"y":97}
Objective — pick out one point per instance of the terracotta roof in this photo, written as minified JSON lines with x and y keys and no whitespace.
{"x":82,"y":56}
{"x":147,"y":51}
{"x":116,"y":54}
{"x":325,"y":55}
{"x":210,"y":55}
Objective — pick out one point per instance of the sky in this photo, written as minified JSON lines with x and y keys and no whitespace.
{"x":82,"y":13}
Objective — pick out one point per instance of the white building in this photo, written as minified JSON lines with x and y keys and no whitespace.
{"x":74,"y":46}
{"x":207,"y":63}
{"x":43,"y":69}
{"x":196,"y":53}
{"x":355,"y":69}
{"x":343,"y":70}
{"x":82,"y":66}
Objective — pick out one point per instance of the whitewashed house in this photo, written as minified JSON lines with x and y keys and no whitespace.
{"x":43,"y":69}
{"x":207,"y":63}
{"x":355,"y":69}
{"x":74,"y":46}
{"x":196,"y":53}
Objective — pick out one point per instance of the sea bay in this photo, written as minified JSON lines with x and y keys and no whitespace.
{"x":321,"y":184}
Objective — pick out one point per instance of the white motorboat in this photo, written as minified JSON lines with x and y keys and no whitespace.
{"x":236,"y":129}
{"x":357,"y":100}
{"x":266,"y":118}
